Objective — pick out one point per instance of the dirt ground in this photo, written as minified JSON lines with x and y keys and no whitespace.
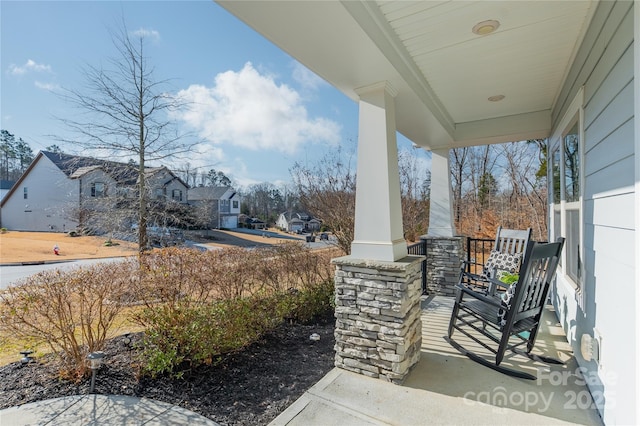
{"x":18,"y":247}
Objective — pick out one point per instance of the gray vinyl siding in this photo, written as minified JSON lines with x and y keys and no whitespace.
{"x":604,"y":66}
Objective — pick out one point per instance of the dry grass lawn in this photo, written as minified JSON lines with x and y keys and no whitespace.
{"x":38,"y":246}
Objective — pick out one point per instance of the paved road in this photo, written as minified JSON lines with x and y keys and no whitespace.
{"x":11,"y":274}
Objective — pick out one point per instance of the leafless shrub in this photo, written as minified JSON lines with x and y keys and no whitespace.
{"x":73,"y":311}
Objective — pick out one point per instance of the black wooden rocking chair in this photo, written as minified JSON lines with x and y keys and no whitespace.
{"x":501,"y":321}
{"x":506,"y":256}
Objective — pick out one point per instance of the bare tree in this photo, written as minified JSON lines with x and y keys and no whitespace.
{"x":414,"y":187}
{"x":458,"y":159}
{"x":126,"y":113}
{"x":521,"y":163}
{"x":263,"y":200}
{"x":327,"y":191}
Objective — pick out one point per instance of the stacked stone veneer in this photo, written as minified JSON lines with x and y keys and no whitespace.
{"x":444,"y":257}
{"x":378,"y":327}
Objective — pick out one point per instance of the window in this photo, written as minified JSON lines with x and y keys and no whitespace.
{"x":555,"y":200}
{"x":25,"y":193}
{"x":235,"y":204}
{"x":176,"y":195}
{"x":565,"y":189}
{"x":571,"y":146}
{"x":97,"y":189}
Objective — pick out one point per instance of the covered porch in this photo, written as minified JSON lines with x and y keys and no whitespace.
{"x":445,"y":387}
{"x":450,"y":74}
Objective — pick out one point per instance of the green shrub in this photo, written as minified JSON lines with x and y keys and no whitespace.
{"x":186,"y":336}
{"x":311,"y":303}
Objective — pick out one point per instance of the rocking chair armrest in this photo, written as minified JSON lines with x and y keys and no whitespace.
{"x":489,"y":299}
{"x":494,"y":284}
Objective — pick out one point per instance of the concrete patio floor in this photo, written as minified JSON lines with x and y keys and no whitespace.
{"x":447,"y":388}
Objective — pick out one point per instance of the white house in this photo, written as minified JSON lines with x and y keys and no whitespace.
{"x":57,"y":188}
{"x":455,"y":74}
{"x":43,"y":198}
{"x":295,"y":222}
{"x":220,"y":204}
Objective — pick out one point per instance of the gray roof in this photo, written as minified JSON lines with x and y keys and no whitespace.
{"x":75,"y":166}
{"x":207,"y":193}
{"x":6,"y":184}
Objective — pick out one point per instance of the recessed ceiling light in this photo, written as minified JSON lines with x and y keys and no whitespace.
{"x":485,"y":27}
{"x":496,"y":98}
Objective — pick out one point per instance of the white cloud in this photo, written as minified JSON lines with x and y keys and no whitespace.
{"x":305,"y":77}
{"x":147,"y":33}
{"x":46,"y":86}
{"x":252,"y":111}
{"x":29,"y":66}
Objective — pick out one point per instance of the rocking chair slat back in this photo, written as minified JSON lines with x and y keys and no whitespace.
{"x":535,"y":277}
{"x":512,"y":240}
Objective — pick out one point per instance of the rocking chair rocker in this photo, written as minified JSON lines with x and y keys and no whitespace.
{"x":515,"y":315}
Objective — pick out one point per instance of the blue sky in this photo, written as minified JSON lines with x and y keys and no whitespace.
{"x":258,"y":110}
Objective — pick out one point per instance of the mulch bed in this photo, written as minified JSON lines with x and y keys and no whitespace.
{"x":250,"y":387}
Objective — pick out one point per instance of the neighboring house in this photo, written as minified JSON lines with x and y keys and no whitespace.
{"x":297,"y":222}
{"x":166,"y":186}
{"x":218,"y":206}
{"x":458,"y":74}
{"x":60,"y":192}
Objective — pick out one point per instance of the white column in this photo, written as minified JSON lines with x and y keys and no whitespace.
{"x":378,"y":231}
{"x":441,"y":208}
{"x":636,"y":89}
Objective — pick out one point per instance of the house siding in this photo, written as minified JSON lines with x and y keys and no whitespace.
{"x":604,"y":67}
{"x":51,"y":199}
{"x":166,"y":181}
{"x":216,"y":204}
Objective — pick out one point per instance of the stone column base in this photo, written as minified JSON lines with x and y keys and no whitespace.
{"x":378,"y":327}
{"x":444,"y":256}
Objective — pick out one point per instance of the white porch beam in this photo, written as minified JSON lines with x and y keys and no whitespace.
{"x":513,"y":128}
{"x":378,"y":219}
{"x":441,"y":208}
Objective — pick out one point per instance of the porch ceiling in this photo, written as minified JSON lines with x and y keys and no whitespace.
{"x":443,"y":72}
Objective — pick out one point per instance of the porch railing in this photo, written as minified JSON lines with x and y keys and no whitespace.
{"x":420,"y":249}
{"x":477,"y":251}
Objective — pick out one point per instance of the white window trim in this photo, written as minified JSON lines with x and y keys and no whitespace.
{"x":575,"y":109}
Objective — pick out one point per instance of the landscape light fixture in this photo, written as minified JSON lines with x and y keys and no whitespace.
{"x":26,"y":359}
{"x":95,"y":360}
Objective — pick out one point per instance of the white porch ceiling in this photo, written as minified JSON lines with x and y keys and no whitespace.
{"x":443,"y":72}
